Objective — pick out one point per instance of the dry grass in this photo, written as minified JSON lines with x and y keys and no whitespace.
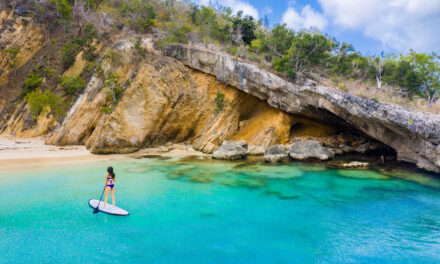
{"x":387,"y":94}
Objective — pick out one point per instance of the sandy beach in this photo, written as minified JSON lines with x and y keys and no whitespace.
{"x":17,"y":153}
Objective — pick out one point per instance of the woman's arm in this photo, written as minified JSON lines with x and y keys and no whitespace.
{"x":105,"y":181}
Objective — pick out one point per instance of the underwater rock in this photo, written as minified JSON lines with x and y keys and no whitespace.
{"x":200,"y":179}
{"x":352,"y":164}
{"x":230,"y":150}
{"x":255,"y":150}
{"x":309,"y":149}
{"x":247,"y":183}
{"x":277,"y":153}
{"x":363,"y":174}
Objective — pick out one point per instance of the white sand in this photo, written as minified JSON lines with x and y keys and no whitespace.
{"x":16,"y":153}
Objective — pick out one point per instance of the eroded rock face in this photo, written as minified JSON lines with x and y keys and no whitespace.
{"x":413,"y":135}
{"x":230,"y":150}
{"x":310,"y":149}
{"x":166,"y":101}
{"x":277,"y":153}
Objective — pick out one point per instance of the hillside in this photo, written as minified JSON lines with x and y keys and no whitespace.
{"x":119,"y":82}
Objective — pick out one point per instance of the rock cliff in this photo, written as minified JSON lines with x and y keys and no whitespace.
{"x":166,"y":101}
{"x":415,"y":136}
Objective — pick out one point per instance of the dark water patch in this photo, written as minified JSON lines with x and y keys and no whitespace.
{"x":246,"y":183}
{"x":282,"y":195}
{"x":207,"y":214}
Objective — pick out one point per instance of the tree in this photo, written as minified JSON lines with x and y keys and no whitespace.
{"x":427,"y":67}
{"x":64,"y":10}
{"x":377,"y":63}
{"x":244,"y":27}
{"x":307,"y":51}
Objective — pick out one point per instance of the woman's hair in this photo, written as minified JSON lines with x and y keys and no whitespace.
{"x":110,"y":171}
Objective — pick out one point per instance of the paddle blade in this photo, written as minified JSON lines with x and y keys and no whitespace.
{"x":96,"y":210}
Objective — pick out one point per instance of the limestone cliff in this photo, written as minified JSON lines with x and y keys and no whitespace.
{"x":166,"y":101}
{"x":413,"y":135}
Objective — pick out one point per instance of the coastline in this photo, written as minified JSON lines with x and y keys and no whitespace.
{"x":20,"y":153}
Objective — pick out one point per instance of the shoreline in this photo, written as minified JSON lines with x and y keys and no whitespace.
{"x":21,"y":153}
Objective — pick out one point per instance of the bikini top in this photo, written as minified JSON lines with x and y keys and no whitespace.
{"x":109,"y":180}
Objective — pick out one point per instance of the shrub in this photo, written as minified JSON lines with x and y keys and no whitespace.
{"x":220,"y":101}
{"x":140,"y":52}
{"x":42,"y":101}
{"x":31,"y":83}
{"x":64,"y":9}
{"x":72,"y":85}
{"x":113,"y":56}
{"x":178,"y":33}
{"x":12,"y":54}
{"x":114,"y":93}
{"x":69,"y":52}
{"x":49,"y":72}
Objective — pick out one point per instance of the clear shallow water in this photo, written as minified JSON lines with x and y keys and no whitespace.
{"x":189,"y":211}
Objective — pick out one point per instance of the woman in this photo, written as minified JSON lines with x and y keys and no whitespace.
{"x":109,"y":185}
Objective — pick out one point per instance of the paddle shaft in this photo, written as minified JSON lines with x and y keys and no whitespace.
{"x":97,"y":208}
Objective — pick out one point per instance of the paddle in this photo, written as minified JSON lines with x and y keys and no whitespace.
{"x":97,"y":208}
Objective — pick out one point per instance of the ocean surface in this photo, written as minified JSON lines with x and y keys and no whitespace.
{"x":192,"y":210}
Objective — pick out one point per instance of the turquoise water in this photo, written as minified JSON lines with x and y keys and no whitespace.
{"x":195,"y":211}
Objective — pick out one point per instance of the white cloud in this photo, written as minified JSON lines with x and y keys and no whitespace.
{"x":237,"y":5}
{"x":397,"y":24}
{"x":308,"y":18}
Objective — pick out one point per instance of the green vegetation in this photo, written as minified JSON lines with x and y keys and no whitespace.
{"x":43,"y":101}
{"x":293,"y":54}
{"x":220,"y":101}
{"x":12,"y":56}
{"x":72,"y":85}
{"x":32,"y":83}
{"x":114,"y":93}
{"x":64,"y":9}
{"x":71,"y":49}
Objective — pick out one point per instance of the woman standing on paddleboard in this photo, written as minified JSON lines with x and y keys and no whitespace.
{"x":109,"y":185}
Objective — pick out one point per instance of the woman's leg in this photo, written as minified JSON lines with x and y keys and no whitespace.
{"x":107,"y":189}
{"x":113,"y":196}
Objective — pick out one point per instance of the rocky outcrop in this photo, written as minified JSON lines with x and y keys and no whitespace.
{"x":348,"y":165}
{"x":413,"y":135}
{"x":255,"y":150}
{"x":230,"y":150}
{"x":277,"y":153}
{"x":310,"y":149}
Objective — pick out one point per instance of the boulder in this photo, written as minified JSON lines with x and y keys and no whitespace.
{"x":230,"y":150}
{"x":309,"y":149}
{"x":256,"y":150}
{"x":276,"y":153}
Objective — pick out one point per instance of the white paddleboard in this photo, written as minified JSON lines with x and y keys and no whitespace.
{"x":109,"y":209}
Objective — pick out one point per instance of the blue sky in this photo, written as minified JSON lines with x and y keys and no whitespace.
{"x":372,"y":26}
